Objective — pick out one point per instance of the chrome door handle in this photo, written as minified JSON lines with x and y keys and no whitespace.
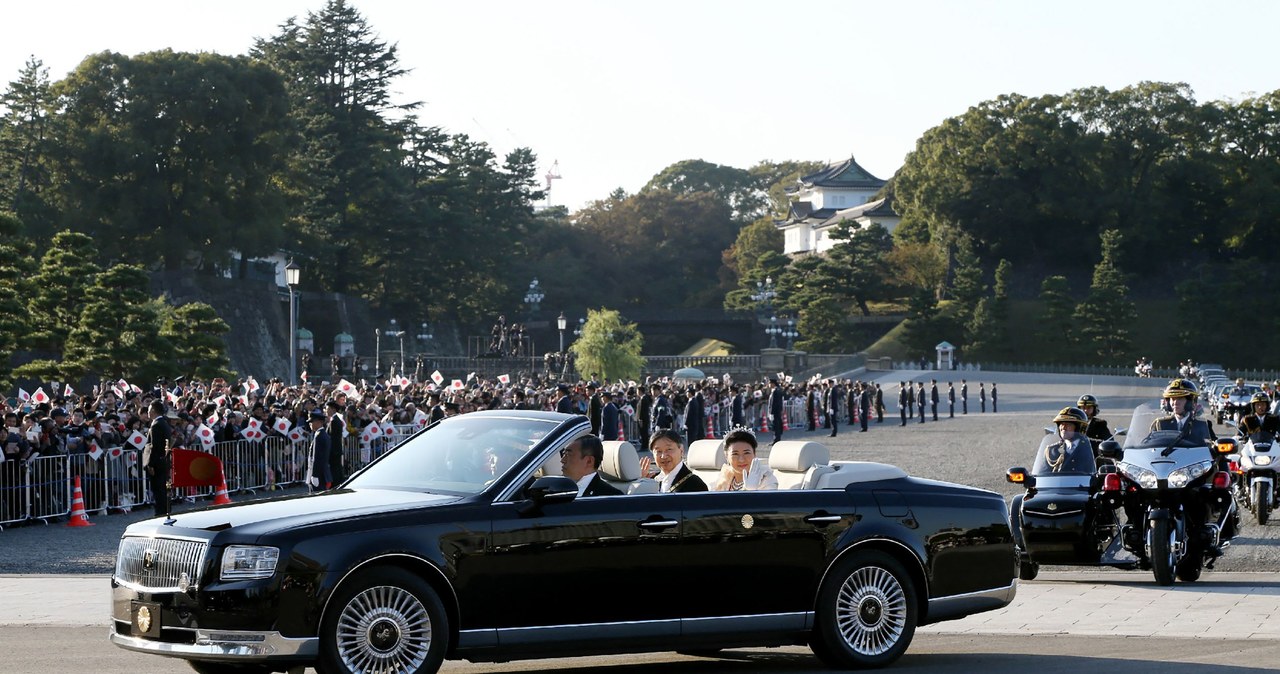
{"x":823,"y":519}
{"x":658,"y":524}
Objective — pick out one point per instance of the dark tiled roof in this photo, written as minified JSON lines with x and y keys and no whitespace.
{"x":843,"y":174}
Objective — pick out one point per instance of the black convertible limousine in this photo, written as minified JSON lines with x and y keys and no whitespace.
{"x":466,"y":543}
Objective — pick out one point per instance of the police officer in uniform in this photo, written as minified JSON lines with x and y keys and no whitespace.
{"x":904,"y":396}
{"x":1261,"y":423}
{"x":1097,"y":430}
{"x":155,"y":456}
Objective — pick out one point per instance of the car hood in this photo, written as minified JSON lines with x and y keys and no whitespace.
{"x":262,"y":517}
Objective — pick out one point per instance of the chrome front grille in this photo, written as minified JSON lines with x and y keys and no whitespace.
{"x":158,"y":563}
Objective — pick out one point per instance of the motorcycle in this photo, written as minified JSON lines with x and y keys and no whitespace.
{"x":1182,"y":515}
{"x":1065,"y":517}
{"x":1257,"y":471}
{"x":1142,"y":369}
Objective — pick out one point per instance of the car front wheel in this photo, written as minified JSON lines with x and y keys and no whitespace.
{"x":384,"y":620}
{"x":866,"y":612}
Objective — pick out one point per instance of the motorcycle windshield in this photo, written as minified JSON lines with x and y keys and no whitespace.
{"x":1141,"y":436}
{"x":1055,"y":457}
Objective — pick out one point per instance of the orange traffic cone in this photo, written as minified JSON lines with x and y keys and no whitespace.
{"x":784,"y":420}
{"x":220,"y":497}
{"x":764,"y":422}
{"x":78,"y":516}
{"x":711,"y":430}
{"x":622,"y":431}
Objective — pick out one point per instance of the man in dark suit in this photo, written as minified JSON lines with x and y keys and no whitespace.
{"x":437,"y":410}
{"x":775,"y":410}
{"x":644,"y":417}
{"x":834,"y":396}
{"x":933,"y":398}
{"x":337,"y":433}
{"x":994,"y":395}
{"x":594,"y":407}
{"x":320,"y":472}
{"x":982,"y":397}
{"x":664,"y":414}
{"x":738,"y":417}
{"x":920,"y":398}
{"x":668,"y":453}
{"x":904,"y":396}
{"x":608,"y":417}
{"x":156,"y":458}
{"x":811,"y":407}
{"x":951,"y":400}
{"x":879,"y":402}
{"x":911,"y":401}
{"x":694,"y":421}
{"x":564,"y":404}
{"x":964,"y":397}
{"x":864,"y":405}
{"x":580,"y":462}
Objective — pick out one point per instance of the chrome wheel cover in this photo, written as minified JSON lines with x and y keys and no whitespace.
{"x":383,"y":629}
{"x":871,"y":610}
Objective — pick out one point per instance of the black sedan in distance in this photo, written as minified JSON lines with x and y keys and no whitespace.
{"x":465,"y":542}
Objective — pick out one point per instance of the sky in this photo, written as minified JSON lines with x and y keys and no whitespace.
{"x":615,"y":91}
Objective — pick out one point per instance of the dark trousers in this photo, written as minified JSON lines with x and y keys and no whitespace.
{"x":934,"y":407}
{"x":834,"y":417}
{"x":922,"y":413}
{"x":952,"y":412}
{"x":993,"y":405}
{"x":964,"y":405}
{"x":903,"y":411}
{"x":159,"y":481}
{"x":880,"y":414}
{"x":866,"y":414}
{"x":776,"y":422}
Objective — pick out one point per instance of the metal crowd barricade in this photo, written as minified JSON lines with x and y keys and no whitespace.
{"x":124,"y":477}
{"x":244,"y":466}
{"x":14,"y":488}
{"x":94,"y":485}
{"x":278,"y":457}
{"x":49,"y":490}
{"x":293,"y":463}
{"x":352,"y":453}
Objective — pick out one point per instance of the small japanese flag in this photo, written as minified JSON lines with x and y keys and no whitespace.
{"x":254,"y":424}
{"x":131,"y":458}
{"x":213,"y":419}
{"x":431,"y":387}
{"x":437,"y":378}
{"x":252,"y":434}
{"x":251,"y":385}
{"x":23,"y":395}
{"x":456,"y":385}
{"x":95,"y":452}
{"x":370,"y":432}
{"x":281,"y":425}
{"x":346,"y":387}
{"x":134,"y":388}
{"x":40,"y":397}
{"x":121,"y":387}
{"x":388,"y":429}
{"x":420,"y":418}
{"x":206,"y":436}
{"x":244,"y":401}
{"x":295,"y":435}
{"x":629,"y":410}
{"x":173,"y":399}
{"x":405,"y":383}
{"x":220,"y":401}
{"x":67,"y":392}
{"x":116,"y":452}
{"x":504,"y":379}
{"x":137,"y":440}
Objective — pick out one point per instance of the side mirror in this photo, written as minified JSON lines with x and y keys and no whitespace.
{"x":552,"y":489}
{"x":1019,"y":475}
{"x":1230,"y":422}
{"x":1120,"y":431}
{"x":1110,"y":449}
{"x":1225,"y":446}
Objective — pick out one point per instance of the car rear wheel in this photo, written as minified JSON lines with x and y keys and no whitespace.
{"x":866,"y":613}
{"x":384,"y":620}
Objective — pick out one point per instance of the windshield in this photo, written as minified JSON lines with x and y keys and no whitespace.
{"x":1141,"y":436}
{"x":1050,"y":459}
{"x":461,"y":455}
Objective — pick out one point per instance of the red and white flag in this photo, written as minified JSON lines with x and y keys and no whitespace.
{"x":296,"y":434}
{"x":134,"y":388}
{"x":437,"y":378}
{"x":120,"y":388}
{"x":405,"y":383}
{"x":244,"y":401}
{"x":346,"y":387}
{"x":420,"y":418}
{"x":220,"y":400}
{"x":251,"y":385}
{"x":171,"y":397}
{"x":456,"y":385}
{"x":282,"y":425}
{"x":213,"y":419}
{"x":116,"y":452}
{"x":254,"y":424}
{"x":95,"y":452}
{"x":23,"y":395}
{"x":205,"y":434}
{"x":371,"y":432}
{"x":388,"y":429}
{"x":67,"y":392}
{"x":504,"y":379}
{"x":252,"y":434}
{"x":137,"y":440}
{"x":470,"y":376}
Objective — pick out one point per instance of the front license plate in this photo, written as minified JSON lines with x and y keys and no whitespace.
{"x":144,"y":619}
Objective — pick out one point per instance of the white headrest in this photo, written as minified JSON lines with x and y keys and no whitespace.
{"x":797,"y":455}
{"x":621,"y":463}
{"x":705,"y":455}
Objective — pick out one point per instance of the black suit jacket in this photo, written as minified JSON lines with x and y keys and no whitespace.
{"x":598,"y":487}
{"x":687,"y":481}
{"x":775,"y":403}
{"x":155,"y":454}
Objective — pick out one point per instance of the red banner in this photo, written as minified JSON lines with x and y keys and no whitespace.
{"x":193,"y":468}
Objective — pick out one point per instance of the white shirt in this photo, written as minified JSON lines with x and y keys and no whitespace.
{"x":666,"y":479}
{"x":584,"y":481}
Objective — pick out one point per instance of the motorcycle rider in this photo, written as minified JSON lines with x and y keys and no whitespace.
{"x":1073,"y":454}
{"x":1262,"y":421}
{"x":1180,"y":399}
{"x":1097,"y":429}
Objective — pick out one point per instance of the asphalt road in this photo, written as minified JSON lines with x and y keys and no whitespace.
{"x":974,"y":449}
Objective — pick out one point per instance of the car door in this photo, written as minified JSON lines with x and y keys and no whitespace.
{"x":758,"y":552}
{"x":586,"y":562}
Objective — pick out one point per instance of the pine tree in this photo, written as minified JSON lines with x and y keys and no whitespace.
{"x":1057,"y":330}
{"x":982,"y":329}
{"x":118,"y":332}
{"x":14,"y":278}
{"x":25,"y":140}
{"x":1105,"y":314}
{"x":198,"y":336}
{"x":966,"y":285}
{"x":58,"y":290}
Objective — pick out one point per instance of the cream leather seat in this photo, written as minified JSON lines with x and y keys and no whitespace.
{"x":621,"y":468}
{"x":704,"y":458}
{"x":797,"y":463}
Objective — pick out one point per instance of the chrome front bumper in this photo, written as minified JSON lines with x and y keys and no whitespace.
{"x":226,"y":645}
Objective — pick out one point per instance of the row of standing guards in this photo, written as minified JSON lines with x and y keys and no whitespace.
{"x":41,"y":488}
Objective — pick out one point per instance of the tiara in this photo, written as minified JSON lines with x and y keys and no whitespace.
{"x":741,"y":429}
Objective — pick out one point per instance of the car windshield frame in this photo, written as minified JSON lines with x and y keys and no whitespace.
{"x":464,"y":455}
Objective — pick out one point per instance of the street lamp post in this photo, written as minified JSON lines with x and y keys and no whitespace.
{"x":377,"y":352}
{"x":577,"y":332}
{"x":763,"y":297}
{"x":393,"y":331}
{"x":773,"y":331}
{"x":790,"y":333}
{"x":562,"y":323}
{"x":533,"y":297}
{"x":292,"y":274}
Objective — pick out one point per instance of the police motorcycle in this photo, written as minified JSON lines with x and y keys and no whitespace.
{"x":1176,"y":492}
{"x":1257,"y":466}
{"x":1065,"y":516}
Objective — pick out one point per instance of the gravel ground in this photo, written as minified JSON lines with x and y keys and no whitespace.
{"x":975,"y":449}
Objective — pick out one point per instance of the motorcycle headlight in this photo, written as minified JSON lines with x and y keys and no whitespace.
{"x":246,"y":562}
{"x":1262,"y":461}
{"x":1182,"y":476}
{"x":1137,"y":474}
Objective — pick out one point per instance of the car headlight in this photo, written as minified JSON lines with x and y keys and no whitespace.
{"x":1143,"y":477}
{"x":243,"y":562}
{"x":1182,"y":476}
{"x":1262,"y":461}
